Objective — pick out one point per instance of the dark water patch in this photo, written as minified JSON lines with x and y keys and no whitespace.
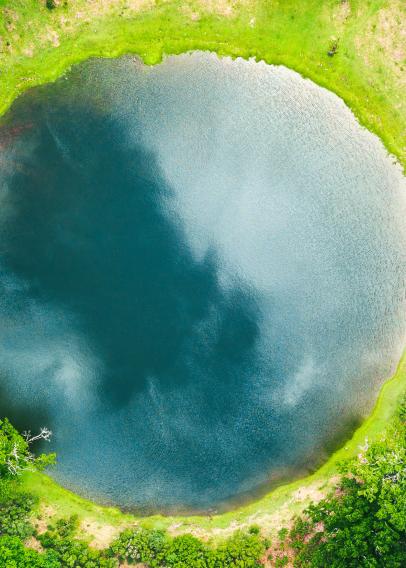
{"x":202,"y":277}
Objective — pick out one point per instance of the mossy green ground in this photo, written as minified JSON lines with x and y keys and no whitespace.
{"x":368,"y":71}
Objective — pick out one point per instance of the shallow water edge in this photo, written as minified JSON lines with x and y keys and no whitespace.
{"x":66,"y":502}
{"x":156,"y":56}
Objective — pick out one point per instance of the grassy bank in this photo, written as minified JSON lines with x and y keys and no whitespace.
{"x":367,"y":71}
{"x":270,"y":512}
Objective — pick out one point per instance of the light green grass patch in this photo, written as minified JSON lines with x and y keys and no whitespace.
{"x":38,"y":45}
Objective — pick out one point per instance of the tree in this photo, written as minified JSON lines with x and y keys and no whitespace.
{"x":13,"y":554}
{"x":363,"y":523}
{"x":186,"y":551}
{"x":15,"y":454}
{"x":241,"y":549}
{"x":60,"y":541}
{"x":141,"y":545}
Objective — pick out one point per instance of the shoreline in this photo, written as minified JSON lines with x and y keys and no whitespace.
{"x":58,"y":72}
{"x":297,"y":37}
{"x":64,"y":501}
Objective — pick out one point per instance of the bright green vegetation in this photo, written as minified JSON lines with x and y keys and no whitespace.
{"x":59,"y":544}
{"x":61,"y":547}
{"x":365,"y":38}
{"x":15,"y":455}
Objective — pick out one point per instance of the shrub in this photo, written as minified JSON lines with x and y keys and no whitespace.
{"x":254,"y":529}
{"x":155,"y":549}
{"x":13,"y":554}
{"x":14,"y":515}
{"x":241,"y":549}
{"x":186,"y":551}
{"x":70,"y":552}
{"x":141,"y":545}
{"x":363,"y":523}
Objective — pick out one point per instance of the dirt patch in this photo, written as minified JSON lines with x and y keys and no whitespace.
{"x":29,"y":51}
{"x":206,"y":533}
{"x":270,"y":523}
{"x":102,"y":534}
{"x":385,"y":42}
{"x":43,"y":520}
{"x":11,"y":14}
{"x":311,"y":493}
{"x":225,"y":8}
{"x":343,"y":11}
{"x":34,"y":544}
{"x":51,"y":36}
{"x":391,"y":31}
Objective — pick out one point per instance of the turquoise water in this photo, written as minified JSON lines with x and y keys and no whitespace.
{"x":202,"y":276}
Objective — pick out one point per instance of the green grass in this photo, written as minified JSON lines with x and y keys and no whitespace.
{"x":368,"y":72}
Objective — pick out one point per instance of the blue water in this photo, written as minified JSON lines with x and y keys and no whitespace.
{"x":202,"y":276}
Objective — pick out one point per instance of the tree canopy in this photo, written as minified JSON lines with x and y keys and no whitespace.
{"x":363,"y":522}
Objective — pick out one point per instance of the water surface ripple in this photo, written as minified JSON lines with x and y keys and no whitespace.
{"x":202,"y":276}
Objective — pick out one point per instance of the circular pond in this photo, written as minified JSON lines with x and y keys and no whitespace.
{"x":202,"y":276}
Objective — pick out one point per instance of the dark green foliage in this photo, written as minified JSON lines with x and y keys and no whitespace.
{"x":241,"y":549}
{"x":15,"y":506}
{"x":186,"y":551}
{"x":14,"y":451}
{"x":362,"y":524}
{"x":282,"y":561}
{"x":141,"y":545}
{"x":50,"y":4}
{"x":14,"y":515}
{"x":156,"y":549}
{"x":71,"y":552}
{"x":13,"y":554}
{"x":282,"y":534}
{"x":254,"y":529}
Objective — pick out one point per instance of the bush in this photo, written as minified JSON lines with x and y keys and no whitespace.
{"x":363,"y":523}
{"x":186,"y":551}
{"x":141,"y":545}
{"x":155,"y":549}
{"x":13,"y":554}
{"x":254,"y":529}
{"x":241,"y":549}
{"x":14,"y":516}
{"x":71,"y":552}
